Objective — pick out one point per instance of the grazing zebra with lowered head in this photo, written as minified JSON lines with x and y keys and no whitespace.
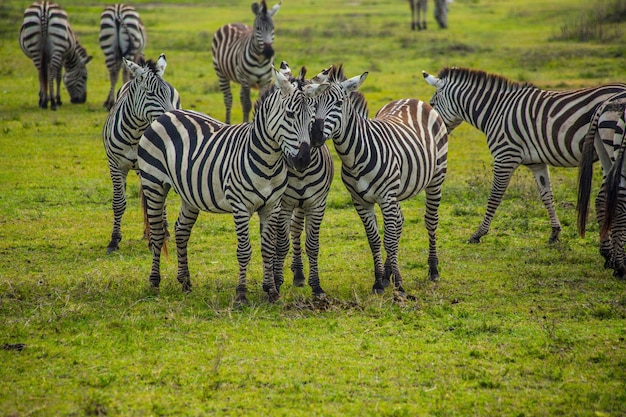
{"x":419,"y":9}
{"x":605,"y":141}
{"x":47,"y":38}
{"x":215,"y":167}
{"x":245,"y":55}
{"x":402,"y":151}
{"x":122,"y":35}
{"x":140,"y":101}
{"x":524,"y":125}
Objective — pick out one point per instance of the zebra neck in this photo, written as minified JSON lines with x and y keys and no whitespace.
{"x":263,"y":149}
{"x":351,"y":142}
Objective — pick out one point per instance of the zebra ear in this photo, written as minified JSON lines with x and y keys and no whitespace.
{"x":274,"y":9}
{"x":432,"y":80}
{"x":134,"y":69}
{"x":285,"y":70}
{"x":282,"y":82}
{"x":353,"y":84}
{"x":314,"y":90}
{"x":160,"y":65}
{"x":256,"y":8}
{"x":322,"y":76}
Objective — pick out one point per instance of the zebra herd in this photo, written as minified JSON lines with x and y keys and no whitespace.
{"x":278,"y":164}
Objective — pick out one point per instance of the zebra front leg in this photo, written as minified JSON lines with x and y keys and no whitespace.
{"x":388,"y":268}
{"x":155,"y":201}
{"x":228,"y":96}
{"x":392,"y":220}
{"x":182,"y":230}
{"x":118,"y":178}
{"x":282,"y":246}
{"x":368,"y":217}
{"x":606,"y":247}
{"x":617,"y":234}
{"x":269,"y":222}
{"x":244,"y":252}
{"x":312,"y":244}
{"x":502,"y":171}
{"x":431,"y":220}
{"x":297,"y":265}
{"x":113,"y":76}
{"x":246,"y":104}
{"x":542,"y":178}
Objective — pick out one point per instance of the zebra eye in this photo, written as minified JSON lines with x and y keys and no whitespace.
{"x":290,"y":114}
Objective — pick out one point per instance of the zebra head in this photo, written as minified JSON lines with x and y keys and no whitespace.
{"x":338,"y":100}
{"x":442,"y":100}
{"x":75,"y":77}
{"x":152,"y":95}
{"x":284,"y":114}
{"x":264,"y":27}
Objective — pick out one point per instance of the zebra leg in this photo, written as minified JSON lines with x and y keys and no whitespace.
{"x":244,"y":251}
{"x":114,"y":74}
{"x":246,"y":104}
{"x":269,"y":222}
{"x":43,"y":88}
{"x":186,"y":219}
{"x":502,"y":172}
{"x":542,"y":178}
{"x":606,"y":247}
{"x":282,"y":245}
{"x":118,"y":178}
{"x":312,"y":243}
{"x":368,"y":217}
{"x":297,"y":265}
{"x":388,"y":267}
{"x":391,"y":239}
{"x":52,"y":74}
{"x":155,"y":195}
{"x":431,"y":220}
{"x":228,"y":96}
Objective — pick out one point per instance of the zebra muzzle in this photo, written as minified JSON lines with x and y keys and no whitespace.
{"x":303,"y":157}
{"x":268,"y":50}
{"x":317,"y":133}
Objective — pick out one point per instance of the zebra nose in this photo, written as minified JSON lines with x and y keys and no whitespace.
{"x":303,"y":158}
{"x":317,"y":133}
{"x":268,"y":50}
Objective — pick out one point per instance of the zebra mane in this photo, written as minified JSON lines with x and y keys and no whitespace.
{"x":150,"y":64}
{"x":337,"y":75}
{"x":496,"y":80}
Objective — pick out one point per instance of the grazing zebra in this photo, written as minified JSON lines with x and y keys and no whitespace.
{"x":605,"y":141}
{"x":390,"y":158}
{"x":122,"y":35}
{"x":524,"y":125}
{"x":419,"y":9}
{"x":220,"y":168}
{"x":47,"y":38}
{"x":245,"y":55}
{"x":140,"y":101}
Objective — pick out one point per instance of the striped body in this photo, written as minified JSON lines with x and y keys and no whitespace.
{"x":245,"y":55}
{"x":524,"y":125}
{"x":219,"y":168}
{"x":605,"y":141}
{"x":385,"y":160}
{"x":122,"y":35}
{"x":47,"y":38}
{"x":139,"y":102}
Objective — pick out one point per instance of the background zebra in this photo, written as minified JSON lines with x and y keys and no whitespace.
{"x":385,"y":160}
{"x":419,"y":9}
{"x":122,"y":35}
{"x":215,"y":167}
{"x":605,"y":141}
{"x":139,"y":102}
{"x":245,"y":55}
{"x":524,"y":126}
{"x":47,"y":38}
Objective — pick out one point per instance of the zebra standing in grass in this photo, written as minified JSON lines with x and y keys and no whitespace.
{"x":140,"y":101}
{"x":419,"y":9}
{"x":245,"y":55}
{"x":524,"y":126}
{"x":215,"y":167}
{"x":605,"y":141}
{"x":47,"y":38}
{"x":402,"y":151}
{"x":122,"y":35}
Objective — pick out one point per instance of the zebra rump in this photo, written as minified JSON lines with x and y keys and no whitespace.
{"x":47,"y":38}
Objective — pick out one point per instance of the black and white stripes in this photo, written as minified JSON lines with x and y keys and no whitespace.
{"x":245,"y":55}
{"x":47,"y":38}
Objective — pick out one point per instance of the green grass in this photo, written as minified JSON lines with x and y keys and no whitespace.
{"x":516,"y":327}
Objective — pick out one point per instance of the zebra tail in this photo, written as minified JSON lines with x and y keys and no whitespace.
{"x":146,"y":223}
{"x":612,"y":193}
{"x":585,"y":174}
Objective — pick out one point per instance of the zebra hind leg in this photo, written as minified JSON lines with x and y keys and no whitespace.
{"x":118,"y":179}
{"x":368,"y":217}
{"x":186,"y":219}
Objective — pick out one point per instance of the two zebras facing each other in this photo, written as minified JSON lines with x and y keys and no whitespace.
{"x":47,"y":38}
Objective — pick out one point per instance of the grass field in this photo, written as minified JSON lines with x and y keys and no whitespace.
{"x":515,"y":327}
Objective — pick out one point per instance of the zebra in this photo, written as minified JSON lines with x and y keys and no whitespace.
{"x":385,"y":160}
{"x":605,"y":141}
{"x":216,"y":167}
{"x":140,"y":101}
{"x":47,"y":38}
{"x":245,"y":56}
{"x":122,"y":34}
{"x":524,"y":125}
{"x":419,"y":9}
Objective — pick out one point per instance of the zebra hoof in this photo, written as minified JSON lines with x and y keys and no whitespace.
{"x":112,"y":248}
{"x":620,"y":273}
{"x":378,"y":288}
{"x":474,"y":239}
{"x":298,"y":278}
{"x":273,"y":296}
{"x":319,"y":293}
